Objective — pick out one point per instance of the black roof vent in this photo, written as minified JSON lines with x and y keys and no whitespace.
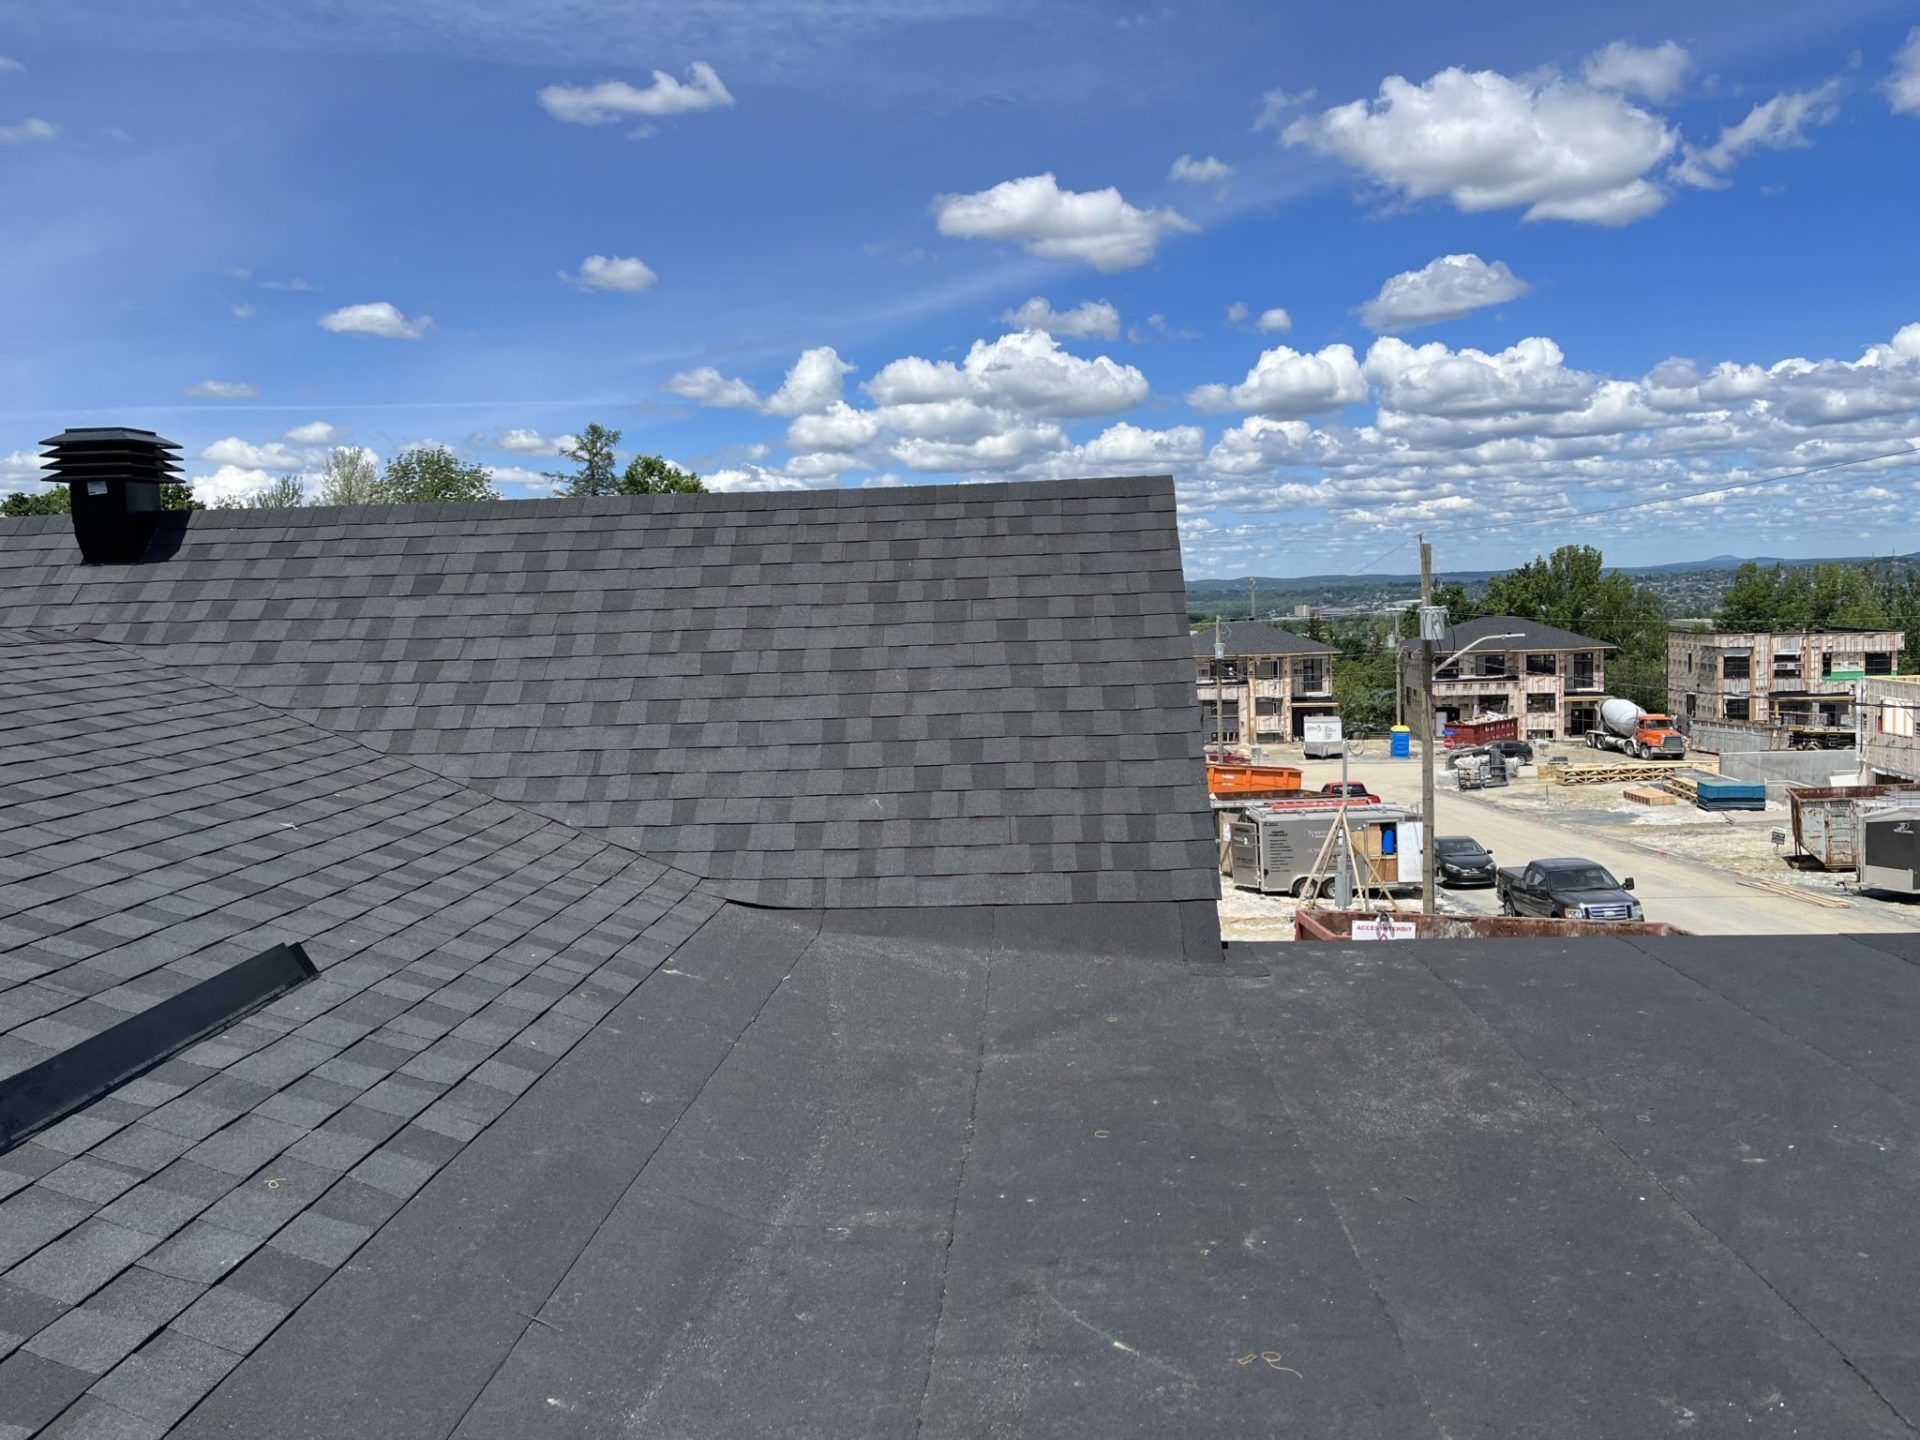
{"x":113,"y":477}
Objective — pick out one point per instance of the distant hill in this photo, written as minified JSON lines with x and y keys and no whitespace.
{"x":1687,"y":587}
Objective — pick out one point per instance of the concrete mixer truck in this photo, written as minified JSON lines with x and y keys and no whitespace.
{"x":1625,"y":727}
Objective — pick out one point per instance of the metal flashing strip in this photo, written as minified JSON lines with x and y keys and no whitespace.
{"x":61,"y":1084}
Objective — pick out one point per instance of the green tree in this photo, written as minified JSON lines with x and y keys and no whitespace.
{"x":651,"y":475}
{"x":176,"y":496}
{"x":53,"y":501}
{"x":285,"y":493}
{"x":349,"y":478}
{"x":1456,"y":601}
{"x":592,"y":453}
{"x":433,"y":474}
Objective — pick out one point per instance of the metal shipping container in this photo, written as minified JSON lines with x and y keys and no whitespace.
{"x":1825,"y":827}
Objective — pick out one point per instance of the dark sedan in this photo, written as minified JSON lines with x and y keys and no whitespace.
{"x":1459,"y":860}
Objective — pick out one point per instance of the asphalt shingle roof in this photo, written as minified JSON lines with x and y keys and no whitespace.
{"x":924,"y":696}
{"x":155,"y":829}
{"x":1533,"y":635}
{"x":1254,"y":637}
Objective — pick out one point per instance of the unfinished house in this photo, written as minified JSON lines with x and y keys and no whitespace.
{"x":1800,"y":679}
{"x":1551,"y":680}
{"x":1261,"y":691}
{"x":1889,"y":734}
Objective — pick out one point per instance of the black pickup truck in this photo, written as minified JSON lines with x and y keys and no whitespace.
{"x":1565,"y":889}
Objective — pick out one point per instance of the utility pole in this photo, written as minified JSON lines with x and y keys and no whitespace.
{"x":1252,"y":613}
{"x":1399,"y":675}
{"x":1426,"y":730}
{"x":1219,"y":701}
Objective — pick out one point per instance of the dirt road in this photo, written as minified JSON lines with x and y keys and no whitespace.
{"x":1672,"y":888}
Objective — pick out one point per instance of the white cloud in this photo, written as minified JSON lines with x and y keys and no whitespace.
{"x":510,"y":478}
{"x":1025,"y":372}
{"x":379,"y":318}
{"x":1237,"y":312}
{"x":612,"y":101}
{"x":707,"y":386}
{"x":1563,"y":150}
{"x":7,"y":63}
{"x":314,"y":432}
{"x":1442,"y":289}
{"x":296,"y":284}
{"x":1095,"y":226}
{"x":222,"y":390}
{"x":813,"y":384}
{"x":1903,"y":85}
{"x":233,"y":451}
{"x":628,"y":273}
{"x":1129,"y":447}
{"x":839,"y":427}
{"x":28,"y":129}
{"x":1274,"y":322}
{"x":242,"y":312}
{"x":1433,"y":380}
{"x":1210,"y":171}
{"x":1089,"y":320}
{"x":19,"y":469}
{"x":1276,"y":105}
{"x":520,"y":440}
{"x":1777,"y":124}
{"x":1656,"y":72}
{"x":1286,"y":382}
{"x":230,"y":482}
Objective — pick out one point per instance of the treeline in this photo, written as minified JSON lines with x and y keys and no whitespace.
{"x":424,"y":475}
{"x":1826,"y":596}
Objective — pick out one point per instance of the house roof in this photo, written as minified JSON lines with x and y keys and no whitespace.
{"x":563,"y":1140}
{"x":1533,"y":635}
{"x":934,"y":695}
{"x":1256,"y":637}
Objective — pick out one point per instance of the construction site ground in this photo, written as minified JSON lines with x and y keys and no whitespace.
{"x":1706,"y":872}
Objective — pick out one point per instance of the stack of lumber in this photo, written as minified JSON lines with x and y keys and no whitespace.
{"x":1624,"y":773}
{"x":1687,"y":787}
{"x":1648,"y":795}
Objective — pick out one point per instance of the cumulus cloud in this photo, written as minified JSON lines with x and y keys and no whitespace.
{"x":28,"y":129}
{"x":1442,"y":289}
{"x":19,"y":469}
{"x":522,"y":440}
{"x":629,"y":274}
{"x":707,"y":386}
{"x":314,"y":432}
{"x":222,"y":390}
{"x":232,"y":482}
{"x":812,"y":384}
{"x":1274,"y":322}
{"x":612,"y":101}
{"x":1286,"y":382}
{"x":1777,"y":124}
{"x":235,"y":452}
{"x":1434,"y":380}
{"x":838,"y":427}
{"x":1237,"y":312}
{"x":1656,"y":72}
{"x":1903,"y":85}
{"x":1561,"y":149}
{"x":1025,"y":371}
{"x":1210,"y":171}
{"x":1098,"y":227}
{"x":1089,"y":320}
{"x":380,"y":318}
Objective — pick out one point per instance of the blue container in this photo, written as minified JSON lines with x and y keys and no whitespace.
{"x":1401,"y":746}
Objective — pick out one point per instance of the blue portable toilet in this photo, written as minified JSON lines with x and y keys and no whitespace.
{"x":1401,"y":746}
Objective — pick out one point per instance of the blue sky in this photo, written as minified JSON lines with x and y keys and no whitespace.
{"x":1348,"y":273}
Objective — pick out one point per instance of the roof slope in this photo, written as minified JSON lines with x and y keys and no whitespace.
{"x":1533,"y":635}
{"x":154,"y":830}
{"x":937,"y":695}
{"x":1255,"y":637}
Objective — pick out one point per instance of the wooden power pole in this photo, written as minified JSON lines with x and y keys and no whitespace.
{"x":1424,"y":727}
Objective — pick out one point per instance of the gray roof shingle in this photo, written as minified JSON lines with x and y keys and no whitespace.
{"x":1256,"y":637}
{"x":838,"y":698}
